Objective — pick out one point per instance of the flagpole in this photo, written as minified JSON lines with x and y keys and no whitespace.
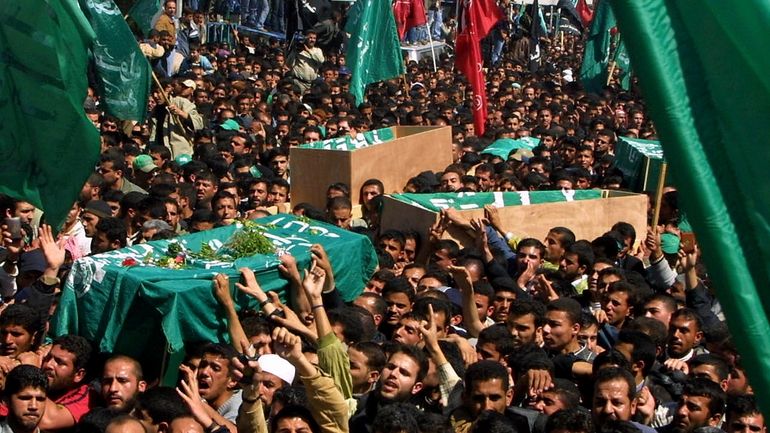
{"x":659,"y":195}
{"x":612,"y":71}
{"x":432,"y":51}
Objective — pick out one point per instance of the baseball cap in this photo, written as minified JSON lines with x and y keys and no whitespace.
{"x":230,"y":125}
{"x":183,"y":159}
{"x":32,"y":261}
{"x":190,"y":83}
{"x":669,"y":243}
{"x":144,"y":163}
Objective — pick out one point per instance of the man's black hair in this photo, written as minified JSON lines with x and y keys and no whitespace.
{"x":375,"y":356}
{"x":566,"y":305}
{"x":719,"y":364}
{"x":225,"y":351}
{"x":25,"y":376}
{"x":499,"y":336}
{"x":484,"y":370}
{"x":566,"y":236}
{"x":571,"y":420}
{"x":643,"y":348}
{"x":626,"y":230}
{"x":397,"y":418}
{"x":399,"y":285}
{"x":78,"y":346}
{"x":609,"y":374}
{"x":568,"y":392}
{"x":439,"y":306}
{"x":522,"y":307}
{"x":21,"y":315}
{"x":690,"y":315}
{"x":742,"y":405}
{"x":114,"y":229}
{"x":531,"y":242}
{"x":701,"y":387}
{"x":584,"y":252}
{"x":162,"y":404}
{"x":357,"y":323}
{"x":394,"y":235}
{"x":490,"y":421}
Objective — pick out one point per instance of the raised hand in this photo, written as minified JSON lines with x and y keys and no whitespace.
{"x":314,"y":282}
{"x":53,"y":250}
{"x":222,"y":290}
{"x":251,"y":287}
{"x":287,"y":345}
{"x":288,"y":267}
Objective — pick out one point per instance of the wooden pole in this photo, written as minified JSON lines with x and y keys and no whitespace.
{"x":659,"y":195}
{"x":612,"y":71}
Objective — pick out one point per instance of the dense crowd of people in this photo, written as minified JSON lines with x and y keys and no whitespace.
{"x":509,"y":333}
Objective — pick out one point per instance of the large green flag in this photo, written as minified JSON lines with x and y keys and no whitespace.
{"x":374,"y":53}
{"x":145,"y":13}
{"x":48,"y":147}
{"x":704,"y":77}
{"x":123,"y":73}
{"x":596,"y":58}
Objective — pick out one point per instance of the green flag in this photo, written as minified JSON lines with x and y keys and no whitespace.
{"x":596,"y":58}
{"x":145,"y":13}
{"x":623,"y":63}
{"x":704,"y":78}
{"x":122,"y":299}
{"x":374,"y":53}
{"x":348,"y":143}
{"x":477,"y":200}
{"x":503,"y":147}
{"x":123,"y":72}
{"x":48,"y":147}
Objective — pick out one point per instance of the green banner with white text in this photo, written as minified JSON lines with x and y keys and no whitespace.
{"x":110,"y":298}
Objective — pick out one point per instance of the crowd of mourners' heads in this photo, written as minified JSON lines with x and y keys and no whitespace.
{"x":509,"y":333}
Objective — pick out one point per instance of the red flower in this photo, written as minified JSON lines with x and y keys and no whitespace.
{"x":179,"y":259}
{"x":130,"y":261}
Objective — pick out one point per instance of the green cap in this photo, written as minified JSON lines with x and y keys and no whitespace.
{"x":669,"y":243}
{"x":144,"y":163}
{"x":183,"y":159}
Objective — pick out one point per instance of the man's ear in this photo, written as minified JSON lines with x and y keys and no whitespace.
{"x":141,"y":386}
{"x":374,"y":376}
{"x":698,"y":337}
{"x":715,"y":419}
{"x":79,"y":375}
{"x":575,"y":328}
{"x":490,"y":310}
{"x":417,"y":388}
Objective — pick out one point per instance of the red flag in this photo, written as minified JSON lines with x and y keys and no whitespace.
{"x":468,"y":61}
{"x":586,"y":14}
{"x":408,"y":14}
{"x":477,"y":18}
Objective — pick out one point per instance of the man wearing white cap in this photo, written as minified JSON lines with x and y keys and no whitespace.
{"x":276,"y":373}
